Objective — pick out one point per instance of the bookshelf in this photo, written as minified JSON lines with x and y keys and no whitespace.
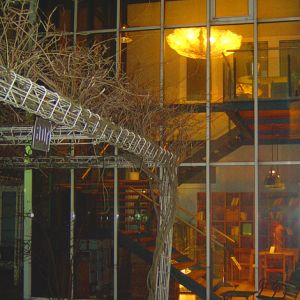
{"x":233,"y":214}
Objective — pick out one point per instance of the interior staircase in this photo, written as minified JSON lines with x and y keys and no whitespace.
{"x":185,"y":271}
{"x":137,"y":226}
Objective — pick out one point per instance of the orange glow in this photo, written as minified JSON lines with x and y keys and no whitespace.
{"x":191,"y":42}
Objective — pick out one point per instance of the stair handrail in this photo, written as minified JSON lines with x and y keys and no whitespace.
{"x":184,"y":221}
{"x":215,"y":230}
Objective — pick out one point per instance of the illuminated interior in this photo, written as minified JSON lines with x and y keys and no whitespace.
{"x":192,"y":42}
{"x":237,"y":103}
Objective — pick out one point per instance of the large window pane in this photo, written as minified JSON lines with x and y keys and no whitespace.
{"x":95,"y":14}
{"x":231,"y":64}
{"x":189,"y":228}
{"x":279,"y":103}
{"x":232,"y":217}
{"x":140,"y":13}
{"x":279,"y":209}
{"x":194,"y":132}
{"x":185,"y":12}
{"x":278,"y":8}
{"x":61,"y":12}
{"x":231,"y":8}
{"x":140,"y":58}
{"x":185,"y":65}
{"x":107,"y":40}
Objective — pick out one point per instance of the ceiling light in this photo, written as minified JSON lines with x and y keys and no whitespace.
{"x":125,"y":38}
{"x":273,"y":180}
{"x":192,"y":42}
{"x":186,"y":271}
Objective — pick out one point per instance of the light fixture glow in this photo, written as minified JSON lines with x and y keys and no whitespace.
{"x":191,"y":42}
{"x":186,"y":271}
{"x":273,"y":180}
{"x":125,"y":38}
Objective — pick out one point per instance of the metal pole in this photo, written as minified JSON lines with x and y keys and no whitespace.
{"x":256,"y":167}
{"x":116,"y":216}
{"x":118,"y":46}
{"x":72,"y":179}
{"x":27,"y":234}
{"x":116,"y":212}
{"x":208,"y":191}
{"x":27,"y":208}
{"x":75,"y":22}
{"x":72,"y":221}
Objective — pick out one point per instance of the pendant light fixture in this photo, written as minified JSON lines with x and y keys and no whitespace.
{"x":273,"y":179}
{"x":192,"y":42}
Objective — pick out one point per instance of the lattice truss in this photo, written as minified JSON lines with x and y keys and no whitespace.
{"x":108,"y":161}
{"x":61,"y":136}
{"x":22,"y":93}
{"x":22,"y":135}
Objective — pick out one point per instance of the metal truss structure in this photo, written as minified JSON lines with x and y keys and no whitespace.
{"x":68,"y":162}
{"x":22,"y":135}
{"x":24,"y":94}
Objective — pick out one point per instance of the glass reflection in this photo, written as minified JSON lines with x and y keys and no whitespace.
{"x":278,"y":8}
{"x":185,"y":12}
{"x":140,"y":58}
{"x":140,"y":13}
{"x":184,"y":76}
{"x":232,"y":214}
{"x":281,"y":74}
{"x":106,"y":40}
{"x":231,"y":93}
{"x":189,"y":252}
{"x":280,"y":82}
{"x":232,"y":8}
{"x":232,"y":72}
{"x":95,"y":14}
{"x":61,"y":12}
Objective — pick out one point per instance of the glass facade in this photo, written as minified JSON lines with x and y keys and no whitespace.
{"x":239,"y":181}
{"x":140,"y":58}
{"x":231,"y":8}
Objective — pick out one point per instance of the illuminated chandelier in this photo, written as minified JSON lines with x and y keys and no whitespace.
{"x":192,"y":42}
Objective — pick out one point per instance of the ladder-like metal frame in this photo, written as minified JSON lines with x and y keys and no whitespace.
{"x":22,"y":135}
{"x":67,"y":162}
{"x":22,"y":93}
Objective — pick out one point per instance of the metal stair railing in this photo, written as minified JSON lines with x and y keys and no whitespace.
{"x":215,"y":230}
